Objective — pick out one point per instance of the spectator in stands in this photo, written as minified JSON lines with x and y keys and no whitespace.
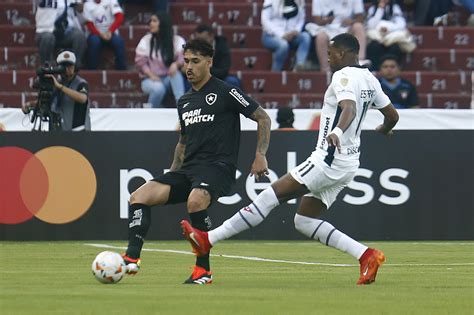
{"x":285,"y":119}
{"x":159,"y":56}
{"x":60,"y":27}
{"x":400,"y":91}
{"x":386,"y":27}
{"x":221,"y":62}
{"x":104,"y":17}
{"x":282,"y":22}
{"x":427,"y":10}
{"x":333,"y":17}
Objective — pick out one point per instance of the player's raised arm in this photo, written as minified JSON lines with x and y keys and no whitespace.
{"x":178,"y":157}
{"x":260,"y":165}
{"x":390,"y":120}
{"x":348,"y":114}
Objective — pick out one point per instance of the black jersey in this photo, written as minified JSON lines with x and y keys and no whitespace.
{"x":210,"y":119}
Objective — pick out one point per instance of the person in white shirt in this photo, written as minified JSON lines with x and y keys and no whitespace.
{"x":104,"y":17}
{"x":330,"y":168}
{"x":333,"y":17}
{"x":58,"y":26}
{"x":387,"y":28}
{"x":282,"y":23}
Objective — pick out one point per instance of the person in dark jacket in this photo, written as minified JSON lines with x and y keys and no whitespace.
{"x":222,"y":58}
{"x":401,"y":92}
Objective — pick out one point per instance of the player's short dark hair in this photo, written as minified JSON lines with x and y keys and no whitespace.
{"x":201,"y":28}
{"x":346,"y":41}
{"x":200,"y":46}
{"x":390,"y":57}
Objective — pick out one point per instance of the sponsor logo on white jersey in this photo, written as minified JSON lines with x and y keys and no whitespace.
{"x":235,"y":94}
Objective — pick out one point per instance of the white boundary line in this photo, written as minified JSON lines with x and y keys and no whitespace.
{"x":273,"y":260}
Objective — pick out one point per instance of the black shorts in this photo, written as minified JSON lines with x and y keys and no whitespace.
{"x":217,"y":179}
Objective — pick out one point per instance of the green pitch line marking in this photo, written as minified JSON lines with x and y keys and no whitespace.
{"x":272,"y":260}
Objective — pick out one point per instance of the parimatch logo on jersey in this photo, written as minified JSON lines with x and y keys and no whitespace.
{"x":194,"y":117}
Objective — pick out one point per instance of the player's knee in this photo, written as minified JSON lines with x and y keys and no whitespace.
{"x":197,"y":203}
{"x":134,"y":197}
{"x":138,"y":197}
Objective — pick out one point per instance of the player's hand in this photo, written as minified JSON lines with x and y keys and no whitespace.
{"x":333,"y":141}
{"x":259,"y":166}
{"x":55,"y":81}
{"x":381,"y":128}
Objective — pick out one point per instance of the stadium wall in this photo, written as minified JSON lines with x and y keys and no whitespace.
{"x":416,"y":186}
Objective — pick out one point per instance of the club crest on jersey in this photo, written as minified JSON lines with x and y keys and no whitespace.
{"x":211,"y":98}
{"x":344,"y":81}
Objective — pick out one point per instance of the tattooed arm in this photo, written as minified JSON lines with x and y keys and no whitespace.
{"x":179,"y":154}
{"x":260,"y":165}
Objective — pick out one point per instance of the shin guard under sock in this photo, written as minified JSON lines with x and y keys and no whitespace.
{"x":139,"y":220}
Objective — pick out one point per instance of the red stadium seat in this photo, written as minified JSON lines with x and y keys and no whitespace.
{"x":97,"y":100}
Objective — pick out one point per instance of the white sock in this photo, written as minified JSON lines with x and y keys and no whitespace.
{"x":247,"y":217}
{"x":328,"y":235}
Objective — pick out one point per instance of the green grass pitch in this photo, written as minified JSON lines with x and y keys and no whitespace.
{"x":418,"y":278}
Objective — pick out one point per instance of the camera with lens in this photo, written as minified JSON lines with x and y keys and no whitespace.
{"x":45,"y":85}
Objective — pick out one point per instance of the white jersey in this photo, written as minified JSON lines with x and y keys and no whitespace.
{"x":341,"y":9}
{"x":102,"y":14}
{"x":350,"y":83}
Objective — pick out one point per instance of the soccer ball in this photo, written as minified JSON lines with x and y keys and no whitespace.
{"x":108,"y":267}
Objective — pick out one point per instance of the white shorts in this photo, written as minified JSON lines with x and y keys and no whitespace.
{"x":323,"y":182}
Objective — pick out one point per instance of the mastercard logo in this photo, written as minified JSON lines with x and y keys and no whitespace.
{"x":56,"y":185}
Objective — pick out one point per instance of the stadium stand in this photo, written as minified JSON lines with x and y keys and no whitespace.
{"x":441,"y":66}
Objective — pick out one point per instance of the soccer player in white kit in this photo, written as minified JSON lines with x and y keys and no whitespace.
{"x":329,"y":169}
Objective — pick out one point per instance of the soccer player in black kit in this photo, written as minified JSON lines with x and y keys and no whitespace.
{"x":205,"y":157}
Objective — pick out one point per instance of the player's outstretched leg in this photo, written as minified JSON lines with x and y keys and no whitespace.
{"x":370,"y":261}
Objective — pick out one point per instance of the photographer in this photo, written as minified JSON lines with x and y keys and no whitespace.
{"x":70,"y":101}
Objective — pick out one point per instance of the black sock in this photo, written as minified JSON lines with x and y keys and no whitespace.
{"x":139,"y":220}
{"x":202,"y":221}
